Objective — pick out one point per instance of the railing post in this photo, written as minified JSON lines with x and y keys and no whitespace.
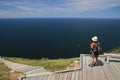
{"x":81,"y":61}
{"x":108,"y":58}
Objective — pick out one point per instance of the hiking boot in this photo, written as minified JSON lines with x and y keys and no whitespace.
{"x":95,"y":64}
{"x":91,"y":65}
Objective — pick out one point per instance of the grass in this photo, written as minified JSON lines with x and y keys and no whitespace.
{"x":48,"y":64}
{"x":114,"y":50}
{"x":4,"y":72}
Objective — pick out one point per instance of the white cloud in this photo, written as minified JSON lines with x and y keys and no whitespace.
{"x":69,"y":7}
{"x":87,"y":5}
{"x":25,"y":8}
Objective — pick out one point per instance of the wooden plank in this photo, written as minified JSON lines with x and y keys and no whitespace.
{"x":115,"y":64}
{"x":53,"y":77}
{"x":35,"y":78}
{"x":69,"y":76}
{"x":84,"y":68}
{"x":95,"y":72}
{"x":65,"y":76}
{"x":90,"y":74}
{"x":73,"y":76}
{"x":102,"y":74}
{"x":90,"y":70}
{"x":113,"y":70}
{"x":65,"y":71}
{"x":45,"y":77}
{"x":57,"y":76}
{"x":39,"y":78}
{"x":106,"y":76}
{"x":77,"y":75}
{"x":112,"y":55}
{"x":61,"y":76}
{"x":87,"y":67}
{"x":108,"y":73}
{"x":116,"y":69}
{"x":119,"y":78}
{"x":81,"y":61}
{"x":80,"y":75}
{"x":49,"y":77}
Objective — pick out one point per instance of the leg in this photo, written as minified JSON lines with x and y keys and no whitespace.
{"x":92,"y":56}
{"x":96,"y":56}
{"x":92,"y":63}
{"x":97,"y":60}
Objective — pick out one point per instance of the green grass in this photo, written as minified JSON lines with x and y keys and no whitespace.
{"x":48,"y":64}
{"x":114,"y":50}
{"x":4,"y":75}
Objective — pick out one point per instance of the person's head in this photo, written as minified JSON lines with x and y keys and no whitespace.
{"x":95,"y":39}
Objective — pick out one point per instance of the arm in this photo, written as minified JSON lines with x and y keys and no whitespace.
{"x":92,"y":45}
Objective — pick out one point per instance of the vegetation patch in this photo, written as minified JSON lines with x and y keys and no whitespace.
{"x":48,"y":64}
{"x":6,"y":74}
{"x":114,"y":50}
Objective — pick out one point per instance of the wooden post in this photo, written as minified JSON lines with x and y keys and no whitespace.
{"x":81,"y":61}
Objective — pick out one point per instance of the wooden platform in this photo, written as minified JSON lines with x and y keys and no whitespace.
{"x":27,"y":70}
{"x":103,"y":71}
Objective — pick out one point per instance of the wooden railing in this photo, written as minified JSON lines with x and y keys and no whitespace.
{"x":108,"y":56}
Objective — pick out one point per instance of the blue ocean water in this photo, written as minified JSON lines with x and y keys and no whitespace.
{"x":56,"y":37}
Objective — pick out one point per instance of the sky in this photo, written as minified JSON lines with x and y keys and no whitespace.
{"x":59,"y":8}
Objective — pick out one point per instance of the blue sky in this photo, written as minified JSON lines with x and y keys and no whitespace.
{"x":59,"y":8}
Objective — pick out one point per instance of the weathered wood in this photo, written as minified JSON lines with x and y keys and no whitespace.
{"x":80,"y":75}
{"x":112,"y":55}
{"x":88,"y":61}
{"x":101,"y":71}
{"x":116,"y":69}
{"x":77,"y":75}
{"x":65,"y":76}
{"x":84,"y":68}
{"x":109,"y":71}
{"x":113,"y":70}
{"x":69,"y":76}
{"x":108,"y":56}
{"x":57,"y":76}
{"x":64,"y":71}
{"x":52,"y":77}
{"x":81,"y":61}
{"x":61,"y":75}
{"x":73,"y":75}
{"x":49,"y":77}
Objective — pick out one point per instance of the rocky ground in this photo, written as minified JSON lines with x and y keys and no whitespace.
{"x":74,"y":65}
{"x":13,"y":75}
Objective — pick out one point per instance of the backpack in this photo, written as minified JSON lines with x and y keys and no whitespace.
{"x":97,"y":48}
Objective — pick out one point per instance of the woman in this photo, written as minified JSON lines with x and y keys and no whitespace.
{"x":95,"y":50}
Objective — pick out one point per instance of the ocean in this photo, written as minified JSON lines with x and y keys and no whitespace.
{"x":55,"y":37}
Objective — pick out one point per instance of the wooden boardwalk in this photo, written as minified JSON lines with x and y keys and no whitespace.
{"x":27,"y":70}
{"x":103,"y":71}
